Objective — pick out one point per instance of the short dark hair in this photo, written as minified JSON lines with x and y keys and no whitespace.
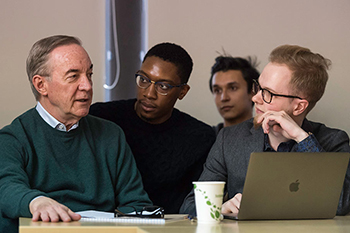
{"x":246,"y":66}
{"x":40,"y":53}
{"x":175,"y":54}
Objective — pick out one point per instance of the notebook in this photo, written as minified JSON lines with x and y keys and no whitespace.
{"x":293,"y":185}
{"x":100,"y":216}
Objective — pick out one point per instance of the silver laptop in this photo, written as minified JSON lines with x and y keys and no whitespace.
{"x":293,"y":185}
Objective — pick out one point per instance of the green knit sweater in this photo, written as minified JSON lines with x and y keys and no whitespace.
{"x":90,"y":167}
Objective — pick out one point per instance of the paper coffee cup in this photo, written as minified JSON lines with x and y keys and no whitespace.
{"x":208,"y":197}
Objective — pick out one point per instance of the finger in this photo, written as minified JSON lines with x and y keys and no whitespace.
{"x":260,"y":118}
{"x":263,"y":120}
{"x":230,"y":210}
{"x":238,"y":198}
{"x":265,"y":125}
{"x":36,"y":216}
{"x":63,"y":214}
{"x":277,"y":128}
{"x":53,"y":215}
{"x":270,"y":121}
{"x":236,"y":201}
{"x":74,"y":216}
{"x":229,"y":207}
{"x":232,"y":205}
{"x":44,"y":217}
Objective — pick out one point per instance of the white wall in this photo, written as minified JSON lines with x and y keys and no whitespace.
{"x":22,"y":23}
{"x":254,"y":27}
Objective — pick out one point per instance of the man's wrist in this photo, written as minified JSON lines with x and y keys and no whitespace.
{"x":31,"y":202}
{"x":302,"y":136}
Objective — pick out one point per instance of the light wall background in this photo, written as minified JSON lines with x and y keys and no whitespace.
{"x":22,"y":23}
{"x":253,"y":27}
{"x":202,"y":27}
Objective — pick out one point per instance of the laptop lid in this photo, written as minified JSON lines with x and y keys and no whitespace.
{"x":293,"y":185}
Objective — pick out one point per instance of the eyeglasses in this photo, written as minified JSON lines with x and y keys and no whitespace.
{"x":146,"y":212}
{"x":266,"y":94}
{"x":161,"y":87}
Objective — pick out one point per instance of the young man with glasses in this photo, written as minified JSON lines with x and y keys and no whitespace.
{"x":169,"y":146}
{"x":288,"y":88}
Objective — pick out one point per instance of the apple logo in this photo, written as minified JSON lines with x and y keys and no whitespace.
{"x":294,"y":186}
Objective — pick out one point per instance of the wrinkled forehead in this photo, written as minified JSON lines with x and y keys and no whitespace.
{"x":70,"y":55}
{"x":70,"y":51}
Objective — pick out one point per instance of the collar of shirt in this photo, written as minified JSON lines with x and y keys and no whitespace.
{"x":282,"y":147}
{"x":52,"y":121}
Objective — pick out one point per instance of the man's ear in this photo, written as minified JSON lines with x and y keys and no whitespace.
{"x":184,"y":90}
{"x":39,"y":82}
{"x":300,"y":107}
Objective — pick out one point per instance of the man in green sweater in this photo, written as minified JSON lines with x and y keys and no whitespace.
{"x":55,"y":158}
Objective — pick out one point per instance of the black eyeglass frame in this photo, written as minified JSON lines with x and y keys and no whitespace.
{"x":158,"y":212}
{"x":155,"y":83}
{"x":256,"y":86}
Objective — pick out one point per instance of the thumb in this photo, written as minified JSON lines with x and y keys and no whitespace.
{"x":74,"y":216}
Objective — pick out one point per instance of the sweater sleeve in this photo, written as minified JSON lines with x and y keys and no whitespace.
{"x":15,"y":190}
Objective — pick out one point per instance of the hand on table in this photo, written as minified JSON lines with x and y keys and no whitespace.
{"x":47,"y":209}
{"x":231,"y":207}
